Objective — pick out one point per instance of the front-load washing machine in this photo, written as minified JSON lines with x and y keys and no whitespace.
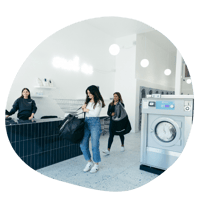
{"x":166,"y":124}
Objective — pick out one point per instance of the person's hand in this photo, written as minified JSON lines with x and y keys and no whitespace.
{"x":30,"y":118}
{"x":7,"y":116}
{"x":113,"y":114}
{"x":84,"y":106}
{"x":85,"y":110}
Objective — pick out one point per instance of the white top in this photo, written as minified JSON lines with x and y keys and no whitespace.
{"x":94,"y":112}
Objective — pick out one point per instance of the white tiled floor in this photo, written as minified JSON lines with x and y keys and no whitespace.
{"x":118,"y":171}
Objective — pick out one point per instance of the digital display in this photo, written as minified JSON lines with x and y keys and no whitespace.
{"x":166,"y":105}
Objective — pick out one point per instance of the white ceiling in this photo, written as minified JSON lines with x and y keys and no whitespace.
{"x":118,"y":27}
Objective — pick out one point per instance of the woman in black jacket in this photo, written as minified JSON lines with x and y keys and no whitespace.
{"x":111,"y":112}
{"x":25,"y":105}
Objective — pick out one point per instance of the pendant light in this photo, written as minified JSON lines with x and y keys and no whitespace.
{"x":189,"y":81}
{"x":168,"y":71}
{"x":114,"y":49}
{"x":144,"y":62}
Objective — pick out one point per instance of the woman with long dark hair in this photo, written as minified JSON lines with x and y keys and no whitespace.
{"x":92,"y":107}
{"x":25,"y":105}
{"x":111,"y":112}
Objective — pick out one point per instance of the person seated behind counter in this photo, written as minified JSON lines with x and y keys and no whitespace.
{"x":25,"y":105}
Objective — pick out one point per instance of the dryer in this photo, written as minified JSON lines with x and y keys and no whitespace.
{"x":166,"y":124}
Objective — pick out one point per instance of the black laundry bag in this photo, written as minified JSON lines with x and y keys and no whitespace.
{"x":120,"y":124}
{"x":72,"y":128}
{"x":121,"y":127}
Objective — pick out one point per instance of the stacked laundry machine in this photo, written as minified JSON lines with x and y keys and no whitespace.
{"x":166,"y":124}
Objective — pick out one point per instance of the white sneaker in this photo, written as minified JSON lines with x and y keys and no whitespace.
{"x":122,"y":149}
{"x":94,"y":169}
{"x":106,"y":152}
{"x":88,"y":166}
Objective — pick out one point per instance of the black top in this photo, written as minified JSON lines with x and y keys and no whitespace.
{"x":25,"y":108}
{"x":111,"y":109}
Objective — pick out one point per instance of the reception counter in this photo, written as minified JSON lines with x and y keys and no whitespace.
{"x":37,"y":142}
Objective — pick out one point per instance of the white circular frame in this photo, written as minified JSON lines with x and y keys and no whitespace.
{"x":153,"y":133}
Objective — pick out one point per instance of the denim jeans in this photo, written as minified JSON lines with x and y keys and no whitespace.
{"x":92,"y":128}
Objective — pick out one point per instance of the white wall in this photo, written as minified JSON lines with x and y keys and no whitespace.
{"x":159,"y":60}
{"x":125,"y":75}
{"x":153,"y":76}
{"x":82,"y":40}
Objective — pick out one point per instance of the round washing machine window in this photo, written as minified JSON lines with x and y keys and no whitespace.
{"x":165,"y":131}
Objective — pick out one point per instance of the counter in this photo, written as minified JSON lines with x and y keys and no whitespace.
{"x":38,"y":144}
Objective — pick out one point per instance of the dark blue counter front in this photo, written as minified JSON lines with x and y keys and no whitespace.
{"x":39,"y":145}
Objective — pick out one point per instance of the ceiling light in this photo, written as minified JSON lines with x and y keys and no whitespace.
{"x":167,"y":72}
{"x":114,"y":49}
{"x":189,"y":81}
{"x":144,"y":63}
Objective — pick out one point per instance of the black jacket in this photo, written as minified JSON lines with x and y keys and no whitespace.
{"x":25,"y":108}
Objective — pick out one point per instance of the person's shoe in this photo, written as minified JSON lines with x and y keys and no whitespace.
{"x":94,"y":169}
{"x":122,"y":149}
{"x":106,"y":152}
{"x":88,"y":166}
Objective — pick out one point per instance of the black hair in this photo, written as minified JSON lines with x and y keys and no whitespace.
{"x":29,"y":96}
{"x":97,"y":95}
{"x":119,"y":96}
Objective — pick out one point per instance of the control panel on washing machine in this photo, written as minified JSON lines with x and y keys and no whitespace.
{"x":165,"y":105}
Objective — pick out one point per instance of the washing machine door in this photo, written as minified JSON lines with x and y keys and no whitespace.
{"x":165,"y":131}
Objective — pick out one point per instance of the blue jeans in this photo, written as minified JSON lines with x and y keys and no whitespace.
{"x":92,"y":128}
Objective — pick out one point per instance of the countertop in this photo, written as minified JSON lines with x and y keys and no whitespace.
{"x":14,"y":121}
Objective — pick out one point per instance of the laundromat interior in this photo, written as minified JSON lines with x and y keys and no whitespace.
{"x":80,"y":55}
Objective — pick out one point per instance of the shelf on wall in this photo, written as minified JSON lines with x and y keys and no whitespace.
{"x":45,"y":87}
{"x":38,"y":96}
